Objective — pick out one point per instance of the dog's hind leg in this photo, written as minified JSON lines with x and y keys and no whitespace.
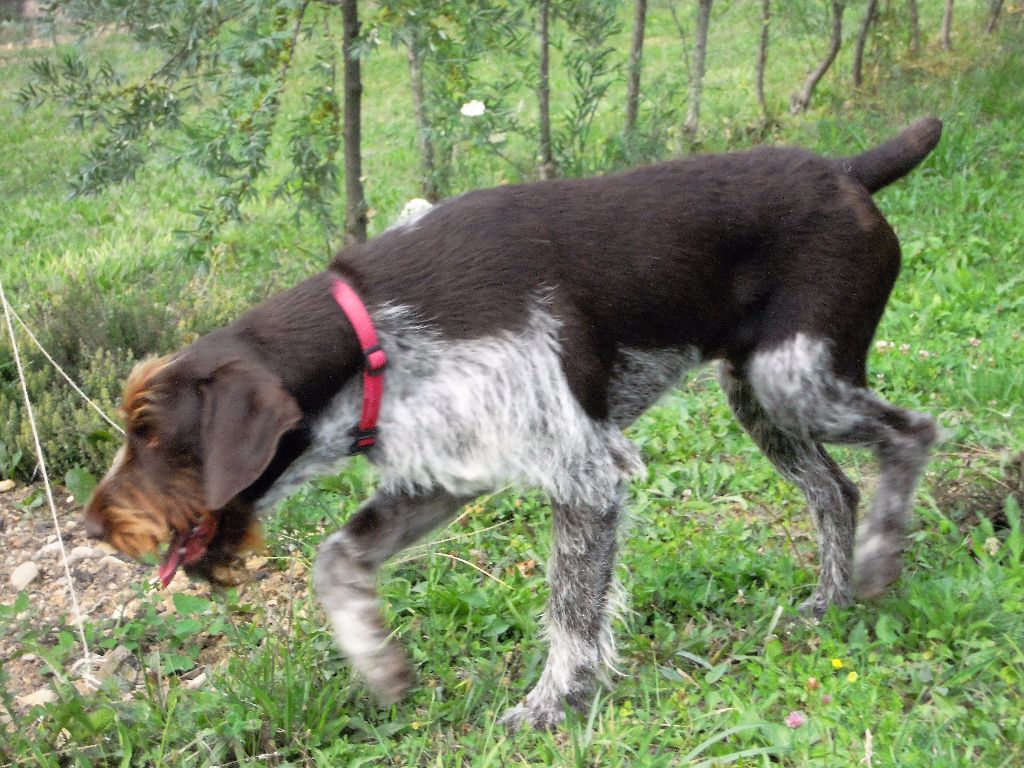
{"x":831,"y":496}
{"x":345,"y":578}
{"x":796,"y":384}
{"x":583,"y":597}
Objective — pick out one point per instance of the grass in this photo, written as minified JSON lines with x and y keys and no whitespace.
{"x":719,"y":551}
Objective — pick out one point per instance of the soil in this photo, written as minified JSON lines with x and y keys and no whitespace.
{"x":110,"y":589}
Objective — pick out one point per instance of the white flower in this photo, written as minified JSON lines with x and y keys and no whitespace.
{"x":473,"y":108}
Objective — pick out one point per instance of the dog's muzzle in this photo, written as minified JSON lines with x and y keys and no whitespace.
{"x":187,"y":548}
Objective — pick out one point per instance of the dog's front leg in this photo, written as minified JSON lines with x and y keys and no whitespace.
{"x":345,"y":578}
{"x":583,"y":592}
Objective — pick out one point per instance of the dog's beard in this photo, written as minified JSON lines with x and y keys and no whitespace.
{"x":138,"y":519}
{"x":237,"y":533}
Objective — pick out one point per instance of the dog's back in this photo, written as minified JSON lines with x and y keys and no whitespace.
{"x":715,"y":253}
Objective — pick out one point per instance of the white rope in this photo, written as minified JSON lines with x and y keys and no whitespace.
{"x":60,"y":370}
{"x":46,"y":479}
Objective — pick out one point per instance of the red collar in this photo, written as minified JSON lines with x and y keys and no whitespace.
{"x":374,"y":363}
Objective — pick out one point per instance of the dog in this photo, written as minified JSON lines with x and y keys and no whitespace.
{"x":524,"y":328}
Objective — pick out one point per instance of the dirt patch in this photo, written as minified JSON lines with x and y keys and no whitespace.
{"x":976,"y":486}
{"x":111,"y":591}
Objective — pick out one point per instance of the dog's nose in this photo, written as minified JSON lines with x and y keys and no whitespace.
{"x":94,"y":528}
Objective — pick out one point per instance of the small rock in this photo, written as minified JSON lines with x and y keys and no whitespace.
{"x":113,"y":662}
{"x":83,"y":552}
{"x":24,"y":575}
{"x":196,"y":682}
{"x":106,"y":548}
{"x":126,"y":612}
{"x":46,"y":550}
{"x":109,"y":561}
{"x":6,"y":485}
{"x":36,"y":698}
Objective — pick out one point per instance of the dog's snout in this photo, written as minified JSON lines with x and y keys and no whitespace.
{"x":94,"y":527}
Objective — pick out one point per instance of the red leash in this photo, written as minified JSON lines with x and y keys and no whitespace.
{"x":374,"y":363}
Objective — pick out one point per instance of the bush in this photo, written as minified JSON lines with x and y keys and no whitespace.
{"x":71,"y":433}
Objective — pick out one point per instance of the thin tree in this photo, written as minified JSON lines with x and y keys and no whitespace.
{"x":428,"y":167}
{"x":862,"y":39}
{"x":946,"y":35}
{"x":915,"y":28}
{"x":762,"y":60}
{"x":994,"y":9}
{"x":546,"y":168}
{"x":355,"y":199}
{"x":697,"y":75}
{"x":802,"y":99}
{"x":636,"y":50}
{"x":209,"y":92}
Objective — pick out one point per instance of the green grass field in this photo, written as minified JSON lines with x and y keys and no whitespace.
{"x":719,"y":551}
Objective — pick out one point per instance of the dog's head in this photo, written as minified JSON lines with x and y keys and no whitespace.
{"x":196,"y":436}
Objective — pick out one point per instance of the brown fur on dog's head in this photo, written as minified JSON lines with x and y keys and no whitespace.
{"x":198,"y":431}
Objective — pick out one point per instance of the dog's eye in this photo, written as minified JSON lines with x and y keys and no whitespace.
{"x":144,"y":433}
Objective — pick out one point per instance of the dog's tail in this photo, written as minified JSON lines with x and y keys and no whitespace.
{"x":897,"y":157}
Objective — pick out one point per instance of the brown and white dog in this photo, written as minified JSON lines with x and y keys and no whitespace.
{"x":526,"y":327}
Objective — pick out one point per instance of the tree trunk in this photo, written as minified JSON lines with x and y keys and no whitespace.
{"x":862,"y":39}
{"x":802,"y":99}
{"x":995,"y":7}
{"x":915,"y":28}
{"x":428,"y":167}
{"x":697,"y":76}
{"x":947,"y":27}
{"x":636,"y":50}
{"x":355,"y":199}
{"x":762,"y":59}
{"x":547,"y":163}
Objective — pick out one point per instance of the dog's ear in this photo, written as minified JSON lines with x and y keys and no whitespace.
{"x":246,"y":410}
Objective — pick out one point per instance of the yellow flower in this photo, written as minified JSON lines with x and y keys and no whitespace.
{"x":852,"y":677}
{"x":837,"y":663}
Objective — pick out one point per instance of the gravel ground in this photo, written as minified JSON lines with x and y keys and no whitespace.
{"x":111,"y":590}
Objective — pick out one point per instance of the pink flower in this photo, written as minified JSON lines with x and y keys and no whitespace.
{"x":826,"y":698}
{"x":795,"y":719}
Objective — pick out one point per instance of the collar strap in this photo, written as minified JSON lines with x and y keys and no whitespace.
{"x":374,"y":362}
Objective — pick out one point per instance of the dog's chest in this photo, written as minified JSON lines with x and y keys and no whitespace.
{"x":470,"y":416}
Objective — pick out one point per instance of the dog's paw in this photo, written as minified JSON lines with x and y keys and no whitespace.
{"x":389,"y":675}
{"x":878,"y":564}
{"x":540,"y":717}
{"x":813,"y":607}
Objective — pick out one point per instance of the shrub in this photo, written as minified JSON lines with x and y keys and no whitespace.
{"x":71,"y":433}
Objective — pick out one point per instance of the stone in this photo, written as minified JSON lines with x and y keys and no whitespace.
{"x":109,"y":561}
{"x":24,"y":575}
{"x":196,"y":682}
{"x":83,"y":552}
{"x":38,"y":698}
{"x":113,"y":662}
{"x":6,"y":485}
{"x":46,"y":550}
